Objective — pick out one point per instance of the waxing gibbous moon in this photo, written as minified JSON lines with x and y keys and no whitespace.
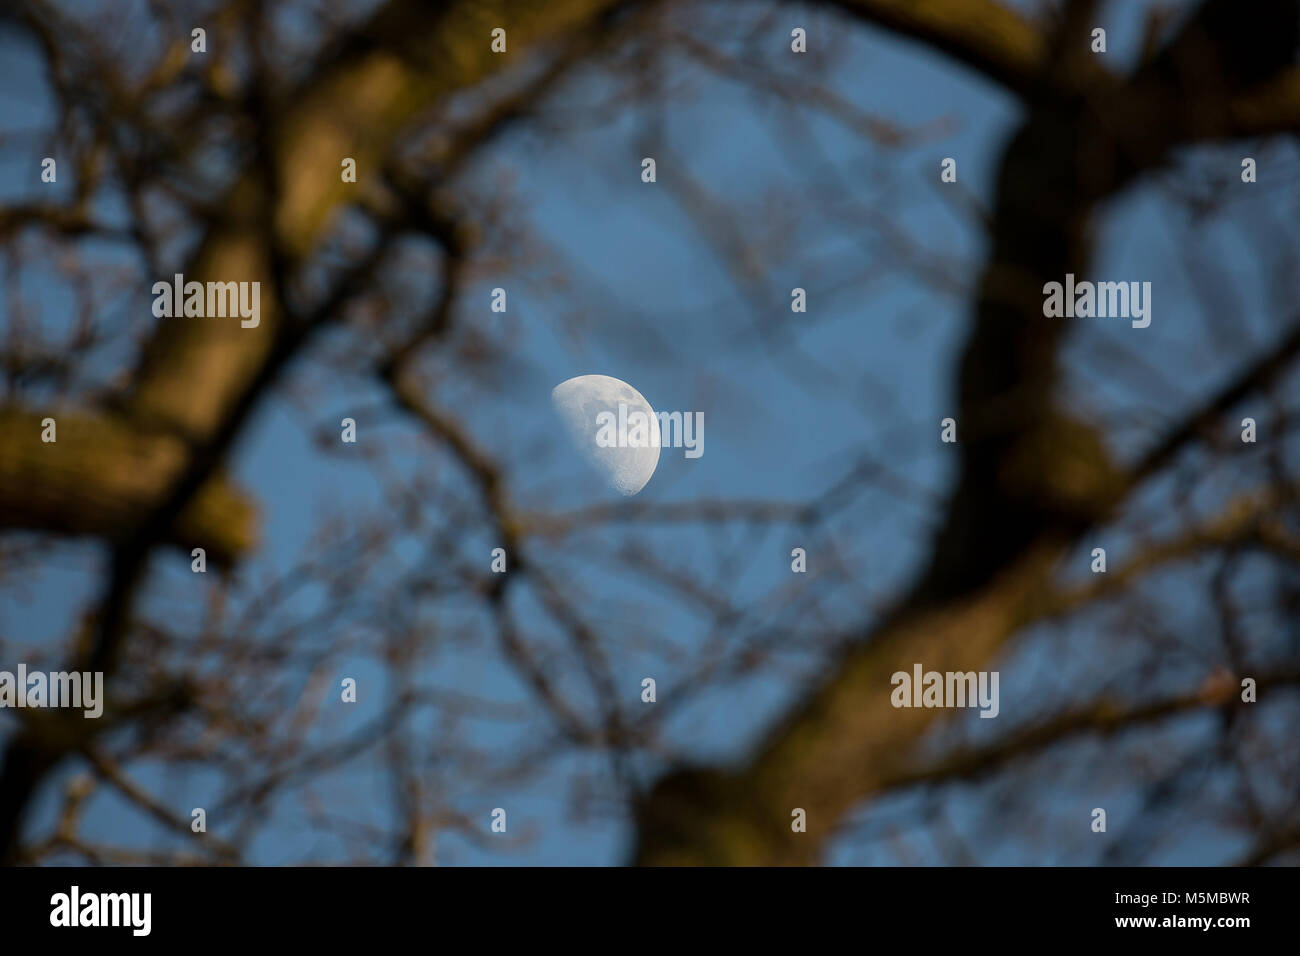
{"x":579,"y":401}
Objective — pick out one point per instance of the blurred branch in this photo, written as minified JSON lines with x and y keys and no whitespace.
{"x":1102,"y":717}
{"x":1245,"y":520}
{"x":102,"y":475}
{"x":992,"y":38}
{"x":108,"y":770}
{"x":1032,"y":479}
{"x":199,"y":381}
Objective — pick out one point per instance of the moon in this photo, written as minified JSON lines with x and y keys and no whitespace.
{"x":579,"y":400}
